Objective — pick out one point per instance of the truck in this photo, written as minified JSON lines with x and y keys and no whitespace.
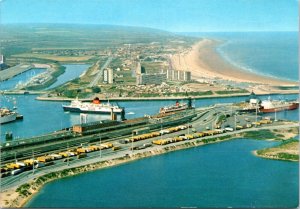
{"x":82,"y":155}
{"x":107,"y":145}
{"x":55,"y":156}
{"x":17,"y":171}
{"x":115,"y":148}
{"x":39,"y":165}
{"x":44,"y":159}
{"x":239,"y":127}
{"x":229,"y":129}
{"x":165,"y":131}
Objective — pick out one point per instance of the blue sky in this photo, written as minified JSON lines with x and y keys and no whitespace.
{"x":170,"y":15}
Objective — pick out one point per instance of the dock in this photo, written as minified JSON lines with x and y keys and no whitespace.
{"x":14,"y":71}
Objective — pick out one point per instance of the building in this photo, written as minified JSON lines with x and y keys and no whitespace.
{"x":1,"y":59}
{"x":138,"y":70}
{"x":155,"y":78}
{"x":177,"y":75}
{"x":2,"y":62}
{"x":108,"y":76}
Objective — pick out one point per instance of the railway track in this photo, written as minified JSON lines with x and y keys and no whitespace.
{"x":57,"y":146}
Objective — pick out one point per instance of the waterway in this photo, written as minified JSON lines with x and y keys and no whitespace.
{"x":219,"y":175}
{"x":41,"y":117}
{"x":72,"y":71}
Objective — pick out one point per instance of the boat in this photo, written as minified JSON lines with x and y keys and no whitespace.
{"x":251,"y":104}
{"x":173,"y":108}
{"x":278,"y":105}
{"x":7,"y":115}
{"x":95,"y":107}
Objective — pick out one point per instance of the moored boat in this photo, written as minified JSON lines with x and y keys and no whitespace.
{"x":95,"y":107}
{"x":177,"y":107}
{"x":278,"y":105}
{"x":7,"y":115}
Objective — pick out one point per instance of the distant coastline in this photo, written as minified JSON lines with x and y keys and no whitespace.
{"x":205,"y":62}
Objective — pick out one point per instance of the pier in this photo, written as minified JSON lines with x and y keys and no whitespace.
{"x":14,"y":71}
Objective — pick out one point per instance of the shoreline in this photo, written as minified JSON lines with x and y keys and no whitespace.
{"x":204,"y":61}
{"x":161,"y":98}
{"x":35,"y":185}
{"x":272,"y":158}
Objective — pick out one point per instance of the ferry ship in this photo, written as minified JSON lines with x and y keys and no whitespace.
{"x":278,"y":105}
{"x":94,"y":107}
{"x":7,"y":115}
{"x":177,"y":107}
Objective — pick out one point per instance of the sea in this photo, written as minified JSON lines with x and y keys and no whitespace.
{"x":273,"y":54}
{"x":226,"y":174}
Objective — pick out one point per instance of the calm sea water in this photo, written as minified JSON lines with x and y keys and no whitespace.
{"x":268,"y":53}
{"x":219,"y":175}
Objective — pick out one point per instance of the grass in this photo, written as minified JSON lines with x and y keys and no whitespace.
{"x":261,"y":135}
{"x":285,"y":151}
{"x":232,"y":92}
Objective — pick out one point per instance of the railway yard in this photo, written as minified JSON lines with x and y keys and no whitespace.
{"x":83,"y":144}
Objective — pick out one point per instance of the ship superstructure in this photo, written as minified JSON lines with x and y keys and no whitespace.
{"x":92,"y":107}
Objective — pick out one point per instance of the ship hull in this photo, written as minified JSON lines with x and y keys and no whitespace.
{"x":8,"y":118}
{"x":78,"y":110}
{"x":278,"y":109}
{"x":174,"y":110}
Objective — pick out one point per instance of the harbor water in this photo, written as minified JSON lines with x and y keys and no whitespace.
{"x":41,"y":117}
{"x":225,"y":174}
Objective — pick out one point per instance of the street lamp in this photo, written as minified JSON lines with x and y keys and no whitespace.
{"x":131,"y":142}
{"x":32,"y":162}
{"x":100,"y":148}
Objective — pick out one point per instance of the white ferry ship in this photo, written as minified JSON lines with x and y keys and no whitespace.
{"x":95,"y":107}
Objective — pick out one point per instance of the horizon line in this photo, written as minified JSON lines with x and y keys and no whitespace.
{"x":101,"y":24}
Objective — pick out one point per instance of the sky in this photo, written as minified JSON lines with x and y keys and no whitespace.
{"x":169,"y":15}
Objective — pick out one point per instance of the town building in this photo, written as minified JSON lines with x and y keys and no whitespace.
{"x":147,"y":79}
{"x":108,"y":76}
{"x":2,"y":62}
{"x":177,"y":75}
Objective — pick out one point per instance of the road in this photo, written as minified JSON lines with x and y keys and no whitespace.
{"x":100,"y":73}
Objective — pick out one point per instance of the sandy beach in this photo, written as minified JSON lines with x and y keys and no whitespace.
{"x":203,"y":61}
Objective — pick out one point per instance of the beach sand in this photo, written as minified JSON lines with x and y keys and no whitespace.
{"x":203,"y":61}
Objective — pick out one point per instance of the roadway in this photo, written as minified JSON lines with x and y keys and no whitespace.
{"x":100,"y":73}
